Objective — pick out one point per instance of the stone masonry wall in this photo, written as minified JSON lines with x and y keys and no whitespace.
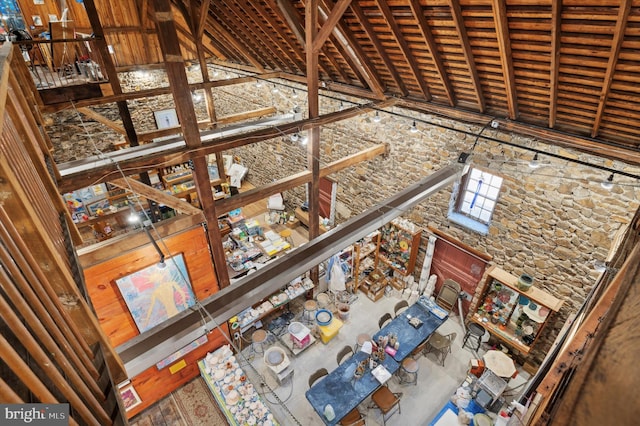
{"x":551,"y":222}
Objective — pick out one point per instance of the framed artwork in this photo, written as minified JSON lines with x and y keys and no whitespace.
{"x":166,"y":118}
{"x":156,"y":293}
{"x":130,"y":397}
{"x":37,"y":20}
{"x":98,"y":205}
{"x":182,"y":352}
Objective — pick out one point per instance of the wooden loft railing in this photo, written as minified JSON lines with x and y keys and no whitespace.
{"x":51,"y":346}
{"x":63,"y":62}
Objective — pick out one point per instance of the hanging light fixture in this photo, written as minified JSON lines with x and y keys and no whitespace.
{"x":197,"y":97}
{"x":258,"y":83}
{"x":275,"y":88}
{"x":608,"y":184}
{"x":414,"y":128}
{"x":294,"y":137}
{"x":534,"y":163}
{"x":341,"y":107}
{"x":294,"y":94}
{"x":377,"y":118}
{"x":304,"y":139}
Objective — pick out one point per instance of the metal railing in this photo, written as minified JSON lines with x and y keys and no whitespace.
{"x":65,"y":62}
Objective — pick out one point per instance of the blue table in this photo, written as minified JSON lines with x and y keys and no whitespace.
{"x":340,"y":389}
{"x":408,"y":336}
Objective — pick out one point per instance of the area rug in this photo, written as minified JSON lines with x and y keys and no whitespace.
{"x":197,"y":406}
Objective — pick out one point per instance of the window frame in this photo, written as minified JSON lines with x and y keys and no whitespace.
{"x":461,"y":193}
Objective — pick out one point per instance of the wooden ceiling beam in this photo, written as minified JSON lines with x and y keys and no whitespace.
{"x":277,"y":50}
{"x":458,"y":19}
{"x":329,"y":25}
{"x":375,"y":40}
{"x":229,"y":38}
{"x":202,"y":18}
{"x":301,"y":178}
{"x":143,"y":19}
{"x":423,"y":25}
{"x":156,"y":195}
{"x":504,"y":45}
{"x":616,"y":45}
{"x":353,"y":54}
{"x":294,"y":53}
{"x":236,"y":19}
{"x":102,"y":120}
{"x":396,"y":31}
{"x":181,"y":155}
{"x":554,"y":69}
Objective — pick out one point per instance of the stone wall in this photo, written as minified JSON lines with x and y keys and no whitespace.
{"x":552,"y":222}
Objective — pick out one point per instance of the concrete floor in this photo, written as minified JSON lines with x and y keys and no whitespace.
{"x":420,"y":403}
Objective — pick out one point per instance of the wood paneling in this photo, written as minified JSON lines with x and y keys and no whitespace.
{"x":117,"y":322}
{"x":112,"y":312}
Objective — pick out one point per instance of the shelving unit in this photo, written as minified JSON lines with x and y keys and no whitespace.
{"x":362,"y":250}
{"x":398,"y":247}
{"x":514,"y":316}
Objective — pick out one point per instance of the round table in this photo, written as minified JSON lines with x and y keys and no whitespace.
{"x":499,"y":363}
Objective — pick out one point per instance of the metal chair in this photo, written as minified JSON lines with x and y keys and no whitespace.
{"x":400,"y":307}
{"x":354,"y":418}
{"x":387,"y":402}
{"x":408,"y":372}
{"x":318,"y":374}
{"x":475,"y":333}
{"x":440,"y":344}
{"x":448,"y":295}
{"x":384,"y":319}
{"x":362,"y":337}
{"x":344,"y":353}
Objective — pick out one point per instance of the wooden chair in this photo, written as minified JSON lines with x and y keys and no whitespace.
{"x":354,"y":418}
{"x":400,"y":307}
{"x":387,"y":402}
{"x":440,"y":344}
{"x":344,"y":353}
{"x":321,"y":372}
{"x":384,"y":319}
{"x":448,"y":295}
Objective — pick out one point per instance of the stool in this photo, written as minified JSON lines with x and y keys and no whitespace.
{"x":363,"y":337}
{"x":475,"y":333}
{"x":409,"y":371}
{"x":286,"y":236}
{"x":259,"y":339}
{"x":309,"y":311}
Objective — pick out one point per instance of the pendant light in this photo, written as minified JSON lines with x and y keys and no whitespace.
{"x":608,"y":184}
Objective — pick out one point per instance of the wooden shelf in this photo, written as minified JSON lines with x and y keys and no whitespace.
{"x":399,"y":247}
{"x":514,"y":323}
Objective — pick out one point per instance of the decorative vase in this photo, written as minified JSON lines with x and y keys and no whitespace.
{"x":525,"y":282}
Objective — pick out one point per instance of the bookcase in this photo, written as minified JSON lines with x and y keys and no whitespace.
{"x":398,"y":247}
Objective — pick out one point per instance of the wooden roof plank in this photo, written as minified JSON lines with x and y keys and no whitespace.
{"x":229,"y":38}
{"x":433,"y":49}
{"x":504,"y":45}
{"x":404,"y":48}
{"x":456,"y":14}
{"x":618,"y":38}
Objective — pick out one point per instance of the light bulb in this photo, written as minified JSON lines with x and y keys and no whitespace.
{"x":196,"y":96}
{"x":294,"y":94}
{"x":608,"y":184}
{"x":304,"y":140}
{"x":414,"y":128}
{"x":377,"y":118}
{"x":534,"y":163}
{"x":275,"y":89}
{"x":258,"y":83}
{"x":295,"y":137}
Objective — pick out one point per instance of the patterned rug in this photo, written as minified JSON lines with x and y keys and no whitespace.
{"x":191,"y":405}
{"x":197,"y":406}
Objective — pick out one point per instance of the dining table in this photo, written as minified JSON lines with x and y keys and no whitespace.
{"x":344,"y":392}
{"x":429,"y":316}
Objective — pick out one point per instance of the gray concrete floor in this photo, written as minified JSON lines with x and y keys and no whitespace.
{"x":420,"y":403}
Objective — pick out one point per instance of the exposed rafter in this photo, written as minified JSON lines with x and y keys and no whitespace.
{"x":404,"y":48}
{"x":618,"y":38}
{"x":504,"y":43}
{"x":556,"y":20}
{"x":416,"y":9}
{"x":230,"y":39}
{"x":328,"y":26}
{"x":456,"y":14}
